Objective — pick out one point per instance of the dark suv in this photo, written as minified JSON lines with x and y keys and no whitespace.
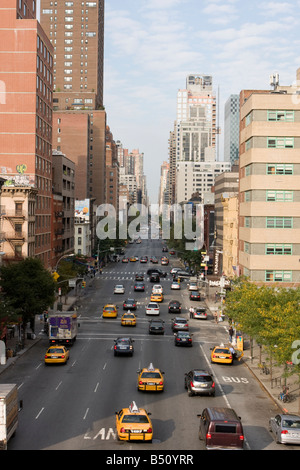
{"x":199,"y":382}
{"x":174,"y":306}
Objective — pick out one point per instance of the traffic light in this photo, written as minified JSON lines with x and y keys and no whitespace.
{"x":83,"y":284}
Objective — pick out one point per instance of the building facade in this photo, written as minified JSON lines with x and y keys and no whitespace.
{"x":26,"y":84}
{"x":269,"y":205}
{"x":232,"y":129}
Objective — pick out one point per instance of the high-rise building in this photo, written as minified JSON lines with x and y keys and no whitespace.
{"x":232,"y":129}
{"x":269,"y":199}
{"x":192,"y":149}
{"x":76,"y":30}
{"x":26,"y":84}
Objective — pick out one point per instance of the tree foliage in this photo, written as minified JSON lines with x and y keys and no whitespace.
{"x":27,"y":287}
{"x":270,"y":315}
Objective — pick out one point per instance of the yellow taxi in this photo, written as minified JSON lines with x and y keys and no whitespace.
{"x":57,"y":354}
{"x":221,"y":355}
{"x":132,"y":259}
{"x":109,"y":311}
{"x":133,"y":423}
{"x":128,"y":319}
{"x":156,"y":297}
{"x":164,"y":261}
{"x":150,"y":379}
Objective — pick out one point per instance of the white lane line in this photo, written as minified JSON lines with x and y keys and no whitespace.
{"x":58,"y":385}
{"x":37,"y":416}
{"x":96,"y":388}
{"x":87,"y":410}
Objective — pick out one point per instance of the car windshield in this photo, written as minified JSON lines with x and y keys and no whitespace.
{"x":133,"y":418}
{"x":150,"y":375}
{"x":55,"y":351}
{"x":128,"y":315}
{"x":110,"y":309}
{"x":183,"y":333}
{"x":291,"y":423}
{"x":222,"y":351}
{"x":123,"y":341}
{"x":180,"y":321}
{"x":152,"y":306}
{"x":202,"y":378}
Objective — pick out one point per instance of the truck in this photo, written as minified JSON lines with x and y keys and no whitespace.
{"x":9,"y":409}
{"x":63,"y":328}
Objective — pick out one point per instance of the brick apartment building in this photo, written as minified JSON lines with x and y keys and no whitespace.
{"x":26,"y":84}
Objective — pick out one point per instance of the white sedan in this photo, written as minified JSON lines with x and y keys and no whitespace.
{"x":175,"y":285}
{"x":152,"y":309}
{"x":119,"y":289}
{"x":157,"y":289}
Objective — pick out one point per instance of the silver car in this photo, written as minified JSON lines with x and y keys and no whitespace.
{"x":286,"y":428}
{"x":152,"y":309}
{"x":119,"y":289}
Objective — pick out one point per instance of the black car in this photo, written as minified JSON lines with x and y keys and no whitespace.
{"x":139,"y":277}
{"x":199,"y":382}
{"x":183,"y":338}
{"x":129,"y":304}
{"x":157,"y":271}
{"x":123,"y":346}
{"x":194,"y":295}
{"x":154,"y":260}
{"x":154,"y":277}
{"x":139,"y":287}
{"x":156,"y":327}
{"x":174,"y":306}
{"x":165,"y":249}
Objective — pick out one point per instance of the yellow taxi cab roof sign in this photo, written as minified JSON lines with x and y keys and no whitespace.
{"x":133,"y":408}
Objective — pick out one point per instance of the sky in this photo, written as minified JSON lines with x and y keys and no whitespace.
{"x":152,"y":45}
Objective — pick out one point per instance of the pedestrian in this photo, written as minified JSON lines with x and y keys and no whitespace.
{"x":231,"y":333}
{"x":192,"y":311}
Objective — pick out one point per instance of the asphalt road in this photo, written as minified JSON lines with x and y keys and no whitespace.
{"x":72,"y":407}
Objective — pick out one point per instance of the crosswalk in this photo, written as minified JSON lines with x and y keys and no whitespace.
{"x":128,"y":276}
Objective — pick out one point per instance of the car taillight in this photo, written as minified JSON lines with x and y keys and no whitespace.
{"x":149,"y":430}
{"x":122,"y":430}
{"x":241,"y":438}
{"x":62,"y":356}
{"x":230,"y":357}
{"x":46,"y":357}
{"x":115,"y":347}
{"x":284,"y":432}
{"x":213,"y":385}
{"x":208,"y":435}
{"x":190,"y":340}
{"x":177,"y":339}
{"x":160,"y":383}
{"x":191,"y":384}
{"x":141,"y":383}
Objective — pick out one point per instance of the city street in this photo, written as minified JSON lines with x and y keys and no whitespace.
{"x":73,"y":406}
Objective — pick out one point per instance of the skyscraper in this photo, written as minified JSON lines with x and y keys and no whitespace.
{"x":26,"y":83}
{"x":232,"y":129}
{"x":76,"y":30}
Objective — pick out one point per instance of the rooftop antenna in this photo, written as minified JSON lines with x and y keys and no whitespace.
{"x":274,"y":80}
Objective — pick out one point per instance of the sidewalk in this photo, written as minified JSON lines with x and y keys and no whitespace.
{"x":274,"y":381}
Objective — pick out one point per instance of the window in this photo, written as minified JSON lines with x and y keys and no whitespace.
{"x":280,"y":169}
{"x":280,"y":142}
{"x":279,"y":249}
{"x":287,"y":116}
{"x":279,"y":196}
{"x":278,"y":276}
{"x":279,"y":222}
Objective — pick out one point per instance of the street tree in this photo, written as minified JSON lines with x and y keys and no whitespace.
{"x":27,"y":287}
